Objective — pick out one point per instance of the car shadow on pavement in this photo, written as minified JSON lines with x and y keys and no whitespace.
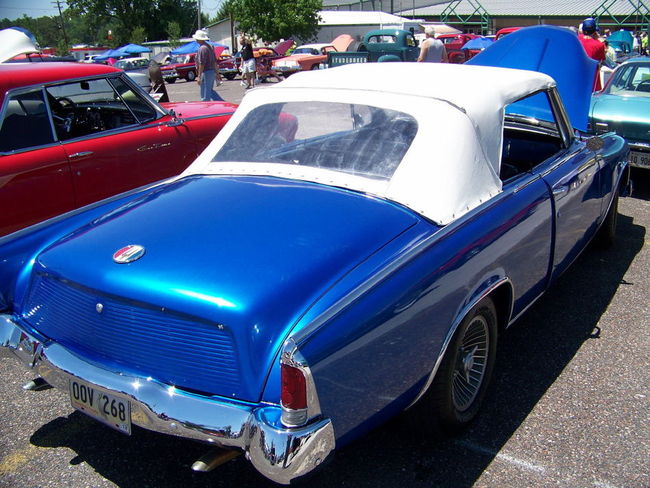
{"x":532,"y":355}
{"x":641,"y":182}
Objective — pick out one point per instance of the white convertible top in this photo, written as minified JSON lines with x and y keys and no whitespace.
{"x":453,"y":162}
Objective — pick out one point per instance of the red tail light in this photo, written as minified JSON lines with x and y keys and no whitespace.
{"x":294,"y":388}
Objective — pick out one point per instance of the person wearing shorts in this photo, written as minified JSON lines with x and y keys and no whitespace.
{"x":248,"y":62}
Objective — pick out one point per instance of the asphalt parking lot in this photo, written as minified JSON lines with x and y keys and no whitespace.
{"x":230,"y":90}
{"x":569,"y":404}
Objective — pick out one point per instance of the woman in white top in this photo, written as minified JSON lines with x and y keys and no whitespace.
{"x":432,"y":50}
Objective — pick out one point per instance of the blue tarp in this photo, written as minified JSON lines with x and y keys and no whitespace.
{"x":123,"y":51}
{"x":478,"y":43}
{"x":555,"y":51}
{"x":111,"y":53}
{"x":192,"y":47}
{"x":134,"y":49}
{"x":622,"y":40}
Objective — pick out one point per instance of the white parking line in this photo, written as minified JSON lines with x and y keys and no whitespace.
{"x":502,"y":456}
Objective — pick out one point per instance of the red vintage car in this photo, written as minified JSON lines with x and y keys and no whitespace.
{"x":454,"y":43}
{"x":72,"y":134}
{"x":184,"y":66}
{"x":265,"y":57}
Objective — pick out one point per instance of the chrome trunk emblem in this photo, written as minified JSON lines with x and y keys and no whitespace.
{"x":99,"y":307}
{"x":128,"y":254}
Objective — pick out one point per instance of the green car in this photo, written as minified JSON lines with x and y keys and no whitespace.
{"x":624,"y":107}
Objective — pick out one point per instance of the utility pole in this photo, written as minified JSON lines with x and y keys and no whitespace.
{"x":198,"y":14}
{"x":65,"y":36}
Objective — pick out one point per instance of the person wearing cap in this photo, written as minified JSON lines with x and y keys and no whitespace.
{"x":432,"y":50}
{"x":593,"y":47}
{"x":206,"y":67}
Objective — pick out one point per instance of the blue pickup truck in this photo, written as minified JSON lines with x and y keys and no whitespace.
{"x":379,"y":45}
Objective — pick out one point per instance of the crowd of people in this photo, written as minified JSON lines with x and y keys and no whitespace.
{"x":596,"y":46}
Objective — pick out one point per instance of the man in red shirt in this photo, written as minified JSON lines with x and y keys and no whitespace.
{"x":593,"y":47}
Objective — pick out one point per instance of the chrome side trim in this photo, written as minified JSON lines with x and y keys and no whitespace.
{"x":452,"y":331}
{"x":281,"y":454}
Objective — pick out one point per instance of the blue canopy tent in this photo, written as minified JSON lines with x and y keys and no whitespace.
{"x":111,"y":53}
{"x":134,"y":49}
{"x":621,"y":40}
{"x":192,"y":47}
{"x":478,"y":43}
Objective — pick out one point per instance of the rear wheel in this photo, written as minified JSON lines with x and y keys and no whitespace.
{"x":457,"y":391}
{"x":230,"y":76}
{"x":171,"y":80}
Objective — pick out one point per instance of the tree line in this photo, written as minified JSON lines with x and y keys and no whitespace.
{"x":113,"y":23}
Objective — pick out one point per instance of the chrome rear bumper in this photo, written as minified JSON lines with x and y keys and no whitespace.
{"x":281,"y":454}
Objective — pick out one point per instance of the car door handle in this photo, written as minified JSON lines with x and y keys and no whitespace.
{"x":80,"y":154}
{"x":560,"y":191}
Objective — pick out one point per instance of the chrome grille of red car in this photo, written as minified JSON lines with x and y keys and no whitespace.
{"x":187,"y":353}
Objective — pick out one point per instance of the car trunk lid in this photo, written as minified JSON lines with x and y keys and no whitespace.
{"x":230,"y":264}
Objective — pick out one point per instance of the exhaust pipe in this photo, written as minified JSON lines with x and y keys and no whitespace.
{"x":213,"y":459}
{"x":37,"y":384}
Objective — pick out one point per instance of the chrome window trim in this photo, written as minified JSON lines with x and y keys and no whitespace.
{"x":135,"y":126}
{"x":128,"y":107}
{"x":148,"y":98}
{"x":108,"y":76}
{"x":3,"y":110}
{"x":561,"y":117}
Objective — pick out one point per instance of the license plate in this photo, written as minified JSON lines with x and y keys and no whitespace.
{"x":640,"y":159}
{"x":111,"y":410}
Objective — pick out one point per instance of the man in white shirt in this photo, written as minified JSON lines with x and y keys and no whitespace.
{"x":432,"y":50}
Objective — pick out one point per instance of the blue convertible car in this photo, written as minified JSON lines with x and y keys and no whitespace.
{"x":353,"y":242}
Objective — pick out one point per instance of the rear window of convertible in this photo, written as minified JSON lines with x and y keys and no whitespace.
{"x":357,"y":139}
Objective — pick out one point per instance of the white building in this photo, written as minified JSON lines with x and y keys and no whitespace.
{"x":356,"y":23}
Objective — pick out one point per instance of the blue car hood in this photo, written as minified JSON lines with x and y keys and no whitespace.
{"x":250,"y":254}
{"x":555,"y":51}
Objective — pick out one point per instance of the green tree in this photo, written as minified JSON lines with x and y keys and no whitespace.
{"x":273,"y":20}
{"x":123,"y":16}
{"x":173,"y":34}
{"x":62,"y":48}
{"x":138,"y":35}
{"x":225,"y":10}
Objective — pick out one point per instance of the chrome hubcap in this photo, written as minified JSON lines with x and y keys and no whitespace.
{"x":470,"y":364}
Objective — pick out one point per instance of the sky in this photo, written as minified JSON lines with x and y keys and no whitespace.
{"x":13,"y":9}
